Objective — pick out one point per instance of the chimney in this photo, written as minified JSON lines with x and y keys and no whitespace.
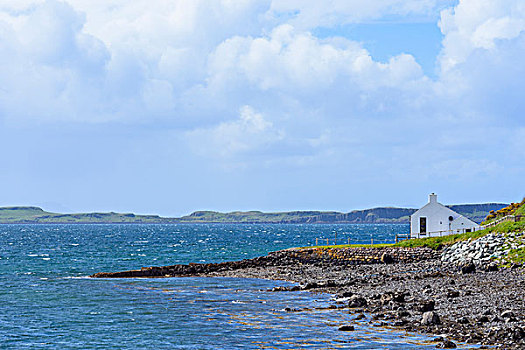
{"x":432,"y":198}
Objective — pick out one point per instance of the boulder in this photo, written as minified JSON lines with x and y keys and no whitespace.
{"x":468,"y":268}
{"x":452,"y":294}
{"x":463,"y":320}
{"x":507,"y":314}
{"x":399,"y":297}
{"x":430,"y":318}
{"x":518,"y":334}
{"x":357,"y":301}
{"x":427,"y":306}
{"x":446,"y":344}
{"x":387,"y":259}
{"x":346,"y":328}
{"x":483,"y":319}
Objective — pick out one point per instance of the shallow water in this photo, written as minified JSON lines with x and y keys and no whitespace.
{"x":49,"y":303}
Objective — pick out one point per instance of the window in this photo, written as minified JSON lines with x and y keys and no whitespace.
{"x":422,"y":225}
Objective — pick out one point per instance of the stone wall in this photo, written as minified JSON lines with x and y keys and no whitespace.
{"x":354,"y":256}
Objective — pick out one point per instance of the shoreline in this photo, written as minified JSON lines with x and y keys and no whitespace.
{"x":425,"y":296}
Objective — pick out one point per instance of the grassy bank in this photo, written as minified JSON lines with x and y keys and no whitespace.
{"x":438,"y":242}
{"x":517,"y":255}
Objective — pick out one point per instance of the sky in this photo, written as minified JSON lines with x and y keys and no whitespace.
{"x":171,"y":106}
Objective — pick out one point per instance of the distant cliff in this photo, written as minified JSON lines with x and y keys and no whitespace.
{"x":35,"y":215}
{"x":475,"y":212}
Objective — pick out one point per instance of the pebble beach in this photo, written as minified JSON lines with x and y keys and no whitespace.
{"x":464,"y":293}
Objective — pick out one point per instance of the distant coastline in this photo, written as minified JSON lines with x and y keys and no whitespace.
{"x":386,"y":215}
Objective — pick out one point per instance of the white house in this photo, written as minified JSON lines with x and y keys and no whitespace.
{"x":434,"y":219}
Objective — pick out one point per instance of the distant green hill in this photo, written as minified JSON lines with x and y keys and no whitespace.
{"x":475,"y":212}
{"x":35,"y":215}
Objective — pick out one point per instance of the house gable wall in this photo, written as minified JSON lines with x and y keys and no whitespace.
{"x":437,"y":221}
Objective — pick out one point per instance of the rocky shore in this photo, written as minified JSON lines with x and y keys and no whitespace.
{"x":464,"y":298}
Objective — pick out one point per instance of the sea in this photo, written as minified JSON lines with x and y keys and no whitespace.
{"x":47,"y":300}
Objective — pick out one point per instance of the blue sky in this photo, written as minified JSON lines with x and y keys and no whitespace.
{"x":384,"y":39}
{"x":173,"y":106}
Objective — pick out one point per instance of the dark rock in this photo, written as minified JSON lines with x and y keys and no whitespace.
{"x":430,"y":318}
{"x":279,"y":289}
{"x":452,"y":294}
{"x":360,"y":317}
{"x":518,"y":334}
{"x":468,"y":268}
{"x":463,"y":320}
{"x":387,"y":259}
{"x":483,"y":319}
{"x":400,"y":323}
{"x":427,"y":306}
{"x":446,"y":344}
{"x":310,"y":285}
{"x":399,"y":297}
{"x":330,"y":284}
{"x":507,"y":314}
{"x":346,"y":328}
{"x":491,"y":267}
{"x":403,"y":313}
{"x":438,"y":339}
{"x":357,"y":301}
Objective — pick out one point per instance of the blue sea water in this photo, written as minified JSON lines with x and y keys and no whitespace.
{"x":48,"y":302}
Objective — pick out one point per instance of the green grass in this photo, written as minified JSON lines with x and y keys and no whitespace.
{"x":35,"y":215}
{"x":438,"y":242}
{"x":517,"y":256}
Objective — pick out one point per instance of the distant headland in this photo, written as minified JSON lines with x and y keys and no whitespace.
{"x":36,"y":215}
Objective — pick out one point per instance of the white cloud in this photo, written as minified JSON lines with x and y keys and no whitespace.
{"x":478,"y":24}
{"x":250,"y":132}
{"x":288,"y":60}
{"x":49,"y":68}
{"x":174,"y":75}
{"x":192,"y":63}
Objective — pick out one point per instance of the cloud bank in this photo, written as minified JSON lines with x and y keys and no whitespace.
{"x":249,"y":83}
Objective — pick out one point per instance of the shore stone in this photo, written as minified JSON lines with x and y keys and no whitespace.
{"x":418,"y":274}
{"x":346,"y":328}
{"x":446,"y":344}
{"x":387,"y":259}
{"x":468,"y":268}
{"x":427,"y":306}
{"x":357,"y":301}
{"x":430,"y":318}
